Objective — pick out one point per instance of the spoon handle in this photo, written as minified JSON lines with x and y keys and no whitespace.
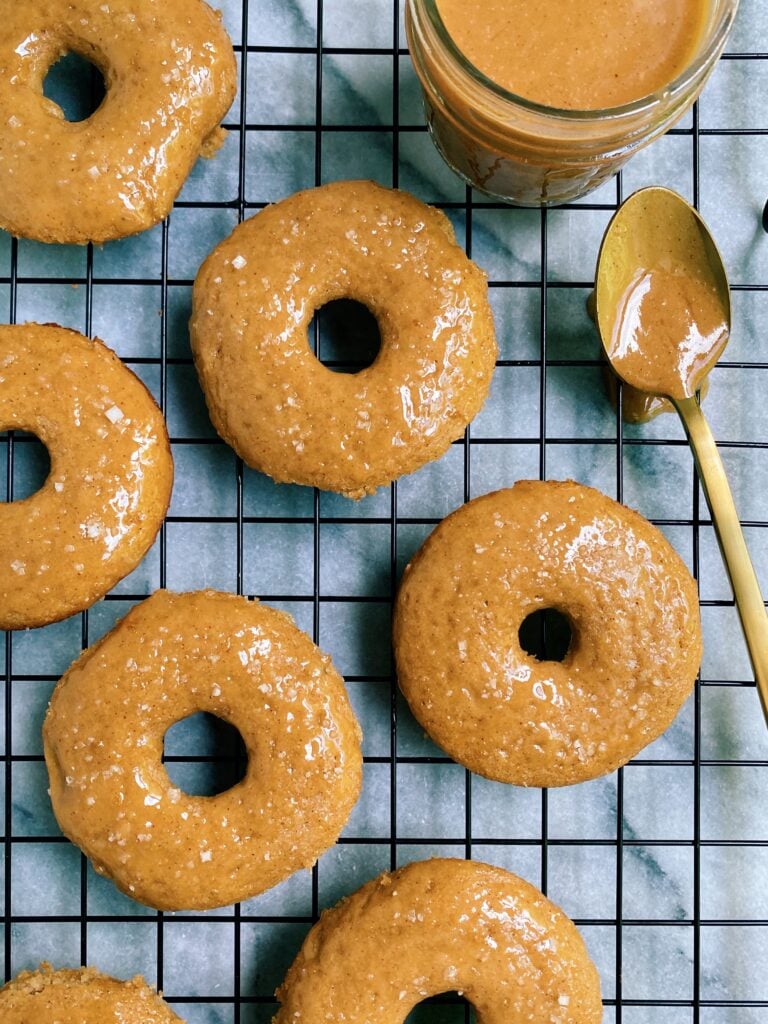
{"x":746,"y":589}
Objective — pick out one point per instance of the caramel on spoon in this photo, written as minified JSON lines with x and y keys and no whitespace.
{"x":663,"y":310}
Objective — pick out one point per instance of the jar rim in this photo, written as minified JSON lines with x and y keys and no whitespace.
{"x":715,"y":41}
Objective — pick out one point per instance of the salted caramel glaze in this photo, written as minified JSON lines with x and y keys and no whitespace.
{"x":662,"y":301}
{"x":268,"y":395}
{"x":110,"y":480}
{"x":640,"y":406}
{"x":441,"y":926}
{"x":583,"y":55}
{"x":170,"y":76}
{"x":669,"y":331}
{"x":83,"y":996}
{"x":172,"y":656}
{"x":634,"y":616}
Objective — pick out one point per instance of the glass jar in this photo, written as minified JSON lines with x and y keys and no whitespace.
{"x":529,"y":154}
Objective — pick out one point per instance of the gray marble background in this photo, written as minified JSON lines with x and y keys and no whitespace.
{"x":684,"y":826}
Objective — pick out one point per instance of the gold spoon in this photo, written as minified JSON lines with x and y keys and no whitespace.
{"x":663,"y":310}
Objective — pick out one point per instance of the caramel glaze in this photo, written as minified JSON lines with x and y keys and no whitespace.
{"x":271,"y":399}
{"x":669,"y":331}
{"x":583,"y":55}
{"x":110,"y":481}
{"x":170,"y":76}
{"x":441,"y":926}
{"x":636,"y":635}
{"x":172,"y":656}
{"x":636,"y":406}
{"x":639,"y":406}
{"x":83,"y":996}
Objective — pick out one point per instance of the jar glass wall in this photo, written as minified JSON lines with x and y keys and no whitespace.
{"x":529,"y":154}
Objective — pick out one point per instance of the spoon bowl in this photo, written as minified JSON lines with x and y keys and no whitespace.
{"x":659,"y":272}
{"x":663,"y":310}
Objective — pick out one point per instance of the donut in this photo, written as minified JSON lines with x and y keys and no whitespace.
{"x":443,"y":926}
{"x":274,"y":402}
{"x":110,"y":481}
{"x":84,"y":996}
{"x":170,"y":76}
{"x":172,"y":656}
{"x":635,"y":645}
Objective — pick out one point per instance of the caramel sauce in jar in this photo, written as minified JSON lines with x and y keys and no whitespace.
{"x":583,"y":55}
{"x":541,"y":104}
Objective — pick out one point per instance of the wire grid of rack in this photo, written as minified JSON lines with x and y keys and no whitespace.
{"x":664,"y":865}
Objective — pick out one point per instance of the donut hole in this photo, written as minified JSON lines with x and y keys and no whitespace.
{"x":347,"y":335}
{"x":546,"y":634}
{"x":76,"y":86}
{"x":447,"y":1008}
{"x":204,"y":755}
{"x":26,"y":469}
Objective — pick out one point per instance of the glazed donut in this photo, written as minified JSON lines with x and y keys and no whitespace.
{"x":635,"y":634}
{"x":171,"y":656}
{"x":170,"y":77}
{"x":284,"y":412}
{"x":446,"y":926}
{"x":83,"y":996}
{"x":111,"y":473}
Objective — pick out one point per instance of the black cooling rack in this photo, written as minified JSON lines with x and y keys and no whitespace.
{"x":237,"y":1005}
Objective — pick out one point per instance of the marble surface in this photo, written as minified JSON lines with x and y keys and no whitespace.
{"x":686,"y":839}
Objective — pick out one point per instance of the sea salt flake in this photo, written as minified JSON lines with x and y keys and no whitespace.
{"x":114,"y":414}
{"x":239,"y":262}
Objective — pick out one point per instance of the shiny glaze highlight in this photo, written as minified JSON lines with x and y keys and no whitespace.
{"x":271,"y":399}
{"x":669,"y":331}
{"x":170,"y":76}
{"x":110,"y":481}
{"x":633,"y":610}
{"x":172,"y":656}
{"x":441,"y":926}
